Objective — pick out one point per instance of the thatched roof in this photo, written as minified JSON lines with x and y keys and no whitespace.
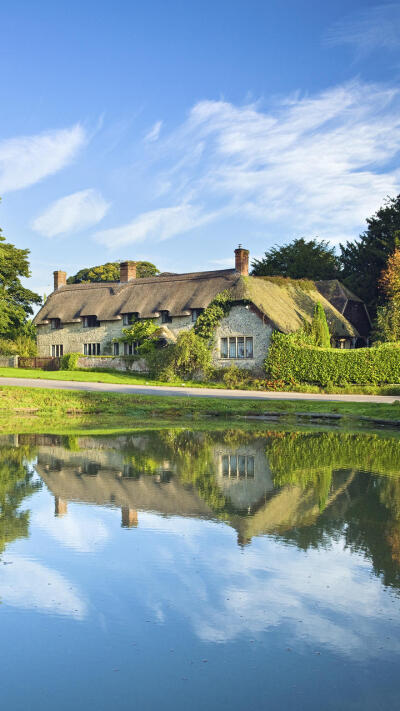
{"x":283,"y":303}
{"x":350,"y":305}
{"x":287,"y":303}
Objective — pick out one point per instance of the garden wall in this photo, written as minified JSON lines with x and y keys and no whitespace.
{"x":10,"y":361}
{"x":126,"y":364}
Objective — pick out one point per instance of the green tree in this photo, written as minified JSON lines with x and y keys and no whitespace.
{"x":16,"y":483}
{"x":363,"y":260}
{"x":319,"y":328}
{"x":387,"y":323}
{"x":15,"y":300}
{"x":109,"y":272}
{"x":300,"y":259}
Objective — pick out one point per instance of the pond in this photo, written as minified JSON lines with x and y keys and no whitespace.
{"x":200,"y":569}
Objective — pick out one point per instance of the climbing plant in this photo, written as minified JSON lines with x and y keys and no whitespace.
{"x":208,"y":321}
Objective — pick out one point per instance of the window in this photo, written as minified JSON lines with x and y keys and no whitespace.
{"x":165,"y":317}
{"x":239,"y":466}
{"x":57,"y":351}
{"x":130,"y":348}
{"x":91,"y":349}
{"x":55,"y":323}
{"x":236,"y":347}
{"x":90,"y":322}
{"x":116,"y":349}
{"x":196,"y":313}
{"x":129,"y":318}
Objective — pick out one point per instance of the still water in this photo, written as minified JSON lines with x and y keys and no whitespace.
{"x":184,"y":569}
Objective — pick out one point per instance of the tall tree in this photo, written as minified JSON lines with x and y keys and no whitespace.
{"x":364,"y":260}
{"x":387,"y":325}
{"x":15,"y":300}
{"x":110,"y":272}
{"x":300,"y":259}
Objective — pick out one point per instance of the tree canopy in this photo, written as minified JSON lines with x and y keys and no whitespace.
{"x":300,"y":259}
{"x":15,"y":300}
{"x":110,"y":272}
{"x":364,"y":260}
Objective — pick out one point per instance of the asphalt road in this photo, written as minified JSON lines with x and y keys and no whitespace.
{"x":168,"y":390}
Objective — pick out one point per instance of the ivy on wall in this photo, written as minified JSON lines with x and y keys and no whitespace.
{"x":208,"y":321}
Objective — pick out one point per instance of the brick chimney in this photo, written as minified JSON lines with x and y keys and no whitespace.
{"x":60,"y":279}
{"x":242,"y":260}
{"x":127,"y":271}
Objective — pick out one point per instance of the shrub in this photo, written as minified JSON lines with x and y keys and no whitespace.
{"x":187,"y":358}
{"x":235,"y":378}
{"x":290,"y":361}
{"x":69,"y":361}
{"x":319,"y":327}
{"x":22,"y":345}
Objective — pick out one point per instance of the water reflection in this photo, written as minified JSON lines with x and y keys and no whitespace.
{"x":260,"y":549}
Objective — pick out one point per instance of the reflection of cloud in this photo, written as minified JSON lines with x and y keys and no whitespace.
{"x":81,"y":530}
{"x":71,"y":213}
{"x":326,"y":597}
{"x":31,"y":585}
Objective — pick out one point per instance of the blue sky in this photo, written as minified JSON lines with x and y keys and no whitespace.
{"x":172,"y":131}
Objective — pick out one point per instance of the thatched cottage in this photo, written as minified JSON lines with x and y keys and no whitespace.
{"x":88,"y":318}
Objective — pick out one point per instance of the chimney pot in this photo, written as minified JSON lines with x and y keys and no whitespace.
{"x":242,"y":260}
{"x":127,"y":271}
{"x":60,"y":279}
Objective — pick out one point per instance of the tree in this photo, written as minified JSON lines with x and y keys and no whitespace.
{"x":15,"y":300}
{"x":299,"y":259}
{"x":363,"y":261}
{"x":110,"y":272}
{"x":319,"y":328}
{"x":387,"y":324}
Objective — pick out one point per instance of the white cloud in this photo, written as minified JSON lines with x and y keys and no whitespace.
{"x":311,"y":165}
{"x":156,"y":225}
{"x":72,"y":213}
{"x":375,"y":27}
{"x":154,"y":132}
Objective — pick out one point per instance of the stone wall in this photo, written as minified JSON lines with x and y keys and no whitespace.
{"x":242,"y":321}
{"x":9,"y":361}
{"x":115,"y":363}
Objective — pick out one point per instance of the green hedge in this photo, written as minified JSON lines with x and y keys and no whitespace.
{"x":290,"y":362}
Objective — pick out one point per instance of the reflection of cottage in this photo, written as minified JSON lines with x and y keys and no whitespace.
{"x":87,"y":318}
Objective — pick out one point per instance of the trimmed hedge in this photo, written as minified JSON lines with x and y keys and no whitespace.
{"x":290,"y":362}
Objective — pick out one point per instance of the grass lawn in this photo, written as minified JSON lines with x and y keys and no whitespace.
{"x":113,"y":376}
{"x":57,"y":404}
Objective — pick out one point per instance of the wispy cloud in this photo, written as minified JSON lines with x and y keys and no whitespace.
{"x":71,"y":213}
{"x":154,"y":132}
{"x":310,"y":165}
{"x":375,"y":27}
{"x":156,"y":225}
{"x":27,"y":159}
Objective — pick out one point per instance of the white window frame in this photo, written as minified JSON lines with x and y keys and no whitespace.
{"x":236,"y":347}
{"x":91,"y":349}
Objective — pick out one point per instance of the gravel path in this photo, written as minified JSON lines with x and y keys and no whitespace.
{"x":166,"y":390}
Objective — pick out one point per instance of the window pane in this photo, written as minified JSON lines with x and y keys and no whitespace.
{"x":224,"y":347}
{"x":240,"y":347}
{"x":232,"y":348}
{"x":116,"y":349}
{"x":250,"y":467}
{"x":53,"y":351}
{"x":98,"y":349}
{"x":242,"y":466}
{"x":85,"y":349}
{"x":233,"y":463}
{"x":61,"y":350}
{"x":225,"y":465}
{"x":249,"y":347}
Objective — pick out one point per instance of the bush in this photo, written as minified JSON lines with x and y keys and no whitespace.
{"x":290,"y":361}
{"x":236,"y":378}
{"x":22,"y":345}
{"x":188,"y":358}
{"x":69,"y":361}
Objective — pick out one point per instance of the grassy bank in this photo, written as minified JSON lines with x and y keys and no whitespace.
{"x":113,"y":376}
{"x":61,"y":403}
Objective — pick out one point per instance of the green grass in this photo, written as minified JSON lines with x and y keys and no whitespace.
{"x":115,"y":377}
{"x":58,"y":404}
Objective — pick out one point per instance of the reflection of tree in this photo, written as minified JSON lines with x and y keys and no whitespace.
{"x":15,"y":484}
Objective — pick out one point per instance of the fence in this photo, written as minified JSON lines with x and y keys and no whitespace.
{"x":43,"y":363}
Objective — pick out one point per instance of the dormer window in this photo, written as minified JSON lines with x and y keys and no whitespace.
{"x":90,"y":322}
{"x":165,"y":317}
{"x":55,"y":323}
{"x":196,"y":313}
{"x":129,"y":318}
